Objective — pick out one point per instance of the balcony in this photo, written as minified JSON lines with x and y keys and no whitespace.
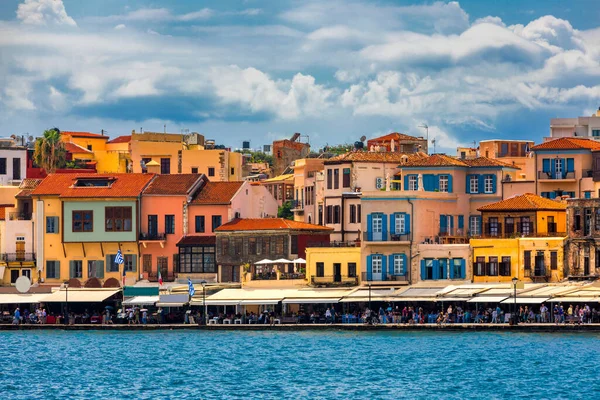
{"x":167,"y":277}
{"x":333,"y":244}
{"x":296,"y":206}
{"x":385,"y":237}
{"x":19,"y":216}
{"x":334,"y":281}
{"x":388,"y":278}
{"x":146,"y":238}
{"x":549,"y":176}
{"x":18,"y":257}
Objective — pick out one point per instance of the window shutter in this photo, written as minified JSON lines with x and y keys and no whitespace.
{"x":562,"y":168}
{"x":450,"y":190}
{"x":546,"y":165}
{"x":436,"y":269}
{"x":468,"y":184}
{"x":481,"y":187}
{"x":445,"y":269}
{"x":461,"y":222}
{"x":436,"y":182}
{"x":451,"y":266}
{"x":494,"y":183}
{"x":369,"y":267}
{"x":134,"y":262}
{"x":423,"y":273}
{"x":404,"y":264}
{"x":71,"y":269}
{"x":391,"y":264}
{"x":570,"y":165}
{"x":462,"y":269}
{"x":406,"y":182}
{"x":406,"y":224}
{"x":384,"y":229}
{"x":99,"y":269}
{"x":393,"y":224}
{"x":369,"y":227}
{"x":383,"y":268}
{"x":443,"y":223}
{"x":553,"y":169}
{"x":108,"y":263}
{"x":451,"y":222}
{"x":480,"y":224}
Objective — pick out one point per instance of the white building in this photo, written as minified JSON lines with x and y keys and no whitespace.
{"x":586,"y":127}
{"x":13,"y":162}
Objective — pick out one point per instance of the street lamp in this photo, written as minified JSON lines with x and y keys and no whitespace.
{"x":515,"y":317}
{"x":203,"y":283}
{"x":369,"y":284}
{"x":66,"y":283}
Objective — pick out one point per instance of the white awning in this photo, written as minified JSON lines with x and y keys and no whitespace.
{"x":173,"y":300}
{"x":450,"y":298}
{"x":258,"y":302}
{"x":80,"y":296}
{"x":526,"y":300}
{"x":22,"y":298}
{"x":568,"y":299}
{"x":141,"y":301}
{"x":265,"y":261}
{"x":365,"y":299}
{"x":487,"y":299}
{"x":159,"y":304}
{"x":311,"y":301}
{"x":198,"y":302}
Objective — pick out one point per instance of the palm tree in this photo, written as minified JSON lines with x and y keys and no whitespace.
{"x":50,"y":152}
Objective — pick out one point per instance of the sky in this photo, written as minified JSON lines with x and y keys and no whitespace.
{"x":331,"y":70}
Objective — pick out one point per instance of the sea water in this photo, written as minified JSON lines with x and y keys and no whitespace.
{"x":298,"y":365}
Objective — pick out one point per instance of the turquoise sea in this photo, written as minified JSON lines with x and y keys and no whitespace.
{"x":298,"y":365}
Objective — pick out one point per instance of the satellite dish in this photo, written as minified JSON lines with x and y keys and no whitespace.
{"x":363,"y":138}
{"x":30,"y":138}
{"x":13,"y":137}
{"x":23,"y":284}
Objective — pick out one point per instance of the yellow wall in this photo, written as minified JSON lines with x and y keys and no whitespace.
{"x":221,"y":160}
{"x":98,"y":144}
{"x":560,"y":218}
{"x":155,"y":151}
{"x":330,"y":255}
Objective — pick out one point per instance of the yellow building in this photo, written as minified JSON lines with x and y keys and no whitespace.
{"x":523,"y":237}
{"x":333,"y":266}
{"x":92,"y":148}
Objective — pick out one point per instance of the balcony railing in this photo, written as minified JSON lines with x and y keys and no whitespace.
{"x":167,"y":277}
{"x":10,"y":257}
{"x":587,"y":173}
{"x":152,"y":236}
{"x":560,"y":175}
{"x":19,"y":216}
{"x":333,"y":244}
{"x":288,"y":276}
{"x":297,"y":205}
{"x":265,"y":276}
{"x":388,"y":278}
{"x":385,"y":237}
{"x":334,"y":280}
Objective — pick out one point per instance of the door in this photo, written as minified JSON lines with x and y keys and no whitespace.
{"x":16,"y":168}
{"x":586,"y":266}
{"x":539,"y":269}
{"x":27,"y":273}
{"x":152,"y":226}
{"x":14,"y":275}
{"x":337,"y":272}
{"x":377,"y":227}
{"x":163,"y":267}
{"x":20,"y":256}
{"x":377,"y":268}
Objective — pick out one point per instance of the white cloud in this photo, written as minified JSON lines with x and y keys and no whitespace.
{"x":43,"y":12}
{"x":196,"y":15}
{"x":120,"y":27}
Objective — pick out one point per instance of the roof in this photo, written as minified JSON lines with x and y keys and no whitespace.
{"x":568,"y":143}
{"x":373,"y":156}
{"x":71,"y":147}
{"x":217,"y":192}
{"x":279,"y":178}
{"x":120,"y":139}
{"x":443,"y":160}
{"x":525,"y":202}
{"x":178,"y":184}
{"x":27,"y":186}
{"x":488,"y":162}
{"x":83,"y":134}
{"x":197,"y":240}
{"x":396,"y":136}
{"x":124,"y":185}
{"x":267,"y":224}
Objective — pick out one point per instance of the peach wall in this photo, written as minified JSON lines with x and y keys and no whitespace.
{"x":208,"y":211}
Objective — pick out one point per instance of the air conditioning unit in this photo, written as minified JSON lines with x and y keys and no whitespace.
{"x":379,"y":183}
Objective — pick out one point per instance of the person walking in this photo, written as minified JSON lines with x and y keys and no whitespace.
{"x":145,"y":317}
{"x":17,"y":317}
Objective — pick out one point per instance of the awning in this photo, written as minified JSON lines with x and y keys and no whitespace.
{"x":363,"y":299}
{"x":141,"y":301}
{"x":259,"y":302}
{"x":311,"y":301}
{"x":80,"y":296}
{"x":159,"y":304}
{"x":450,"y":298}
{"x":526,"y":300}
{"x":568,"y":299}
{"x":412,"y":299}
{"x":22,"y":298}
{"x":487,"y":299}
{"x":173,"y":300}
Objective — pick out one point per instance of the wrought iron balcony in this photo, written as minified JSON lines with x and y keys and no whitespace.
{"x":152,"y":236}
{"x":388,"y":278}
{"x":19,"y":216}
{"x":385,"y":237}
{"x":16,"y":257}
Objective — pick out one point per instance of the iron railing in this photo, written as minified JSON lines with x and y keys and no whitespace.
{"x":9,"y":257}
{"x":561,"y":175}
{"x":334,"y":280}
{"x":167,"y":277}
{"x":388,"y":278}
{"x":385,"y":237}
{"x":19,"y":216}
{"x":152,"y":236}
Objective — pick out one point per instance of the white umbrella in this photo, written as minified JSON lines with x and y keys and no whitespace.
{"x":265,"y":261}
{"x":299,"y":261}
{"x":282,"y":261}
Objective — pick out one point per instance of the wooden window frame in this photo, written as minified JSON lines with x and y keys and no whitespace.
{"x":110,"y":223}
{"x":82,"y":221}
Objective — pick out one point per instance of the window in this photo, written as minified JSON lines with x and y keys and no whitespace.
{"x":358,"y":211}
{"x":232,"y":171}
{"x":352,"y":213}
{"x":278,"y":245}
{"x":428,"y":269}
{"x":443,"y":183}
{"x":329,"y":179}
{"x":377,"y":264}
{"x":51,"y":224}
{"x":399,"y":267}
{"x":197,"y":259}
{"x":199,"y":223}
{"x":527,"y":259}
{"x":3,"y":166}
{"x":412,"y":182}
{"x":320,"y":269}
{"x":493,"y":226}
{"x":442,"y":268}
{"x":129,"y":262}
{"x":346,"y":178}
{"x":194,"y":170}
{"x":492,"y":267}
{"x":216,"y":222}
{"x":112,"y":266}
{"x":587,"y":222}
{"x":505,"y":267}
{"x":554,"y":260}
{"x":169,"y":224}
{"x":294,"y":244}
{"x":525,"y":226}
{"x":117,"y":219}
{"x":552,"y":224}
{"x":377,"y":223}
{"x":351,"y":270}
{"x":83,"y":221}
{"x":595,"y":132}
{"x":400,"y":224}
{"x":76,"y":269}
{"x":147,"y":263}
{"x":456,"y":272}
{"x":16,"y":168}
{"x":95,"y":269}
{"x":52,"y":269}
{"x":336,"y":214}
{"x":479,"y":269}
{"x":336,"y":178}
{"x":509,"y":225}
{"x":577,"y":220}
{"x":251,"y":246}
{"x":211,"y":171}
{"x":329,"y":215}
{"x":473,"y":184}
{"x":165,"y":166}
{"x":488,"y":183}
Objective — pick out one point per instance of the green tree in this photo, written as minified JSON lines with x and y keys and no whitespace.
{"x":50,"y":152}
{"x":258,"y":157}
{"x":285,"y":211}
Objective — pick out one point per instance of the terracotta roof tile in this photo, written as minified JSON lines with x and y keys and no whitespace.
{"x":124,"y":185}
{"x":178,"y":184}
{"x":267,"y":224}
{"x":120,"y":139}
{"x":83,"y":134}
{"x":394,"y":135}
{"x":568,"y":143}
{"x":436,"y":160}
{"x":488,"y":162}
{"x":75,"y":148}
{"x":525,"y":202}
{"x":197,"y":239}
{"x":372,"y":156}
{"x":217,"y":193}
{"x":28,"y":185}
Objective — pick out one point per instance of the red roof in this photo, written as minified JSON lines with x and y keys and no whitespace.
{"x":568,"y":143}
{"x":196,"y":239}
{"x":268,"y":224}
{"x":120,"y":139}
{"x":123,"y":185}
{"x":84,"y":134}
{"x":374,"y":156}
{"x":75,"y":148}
{"x":442,"y":160}
{"x":27,"y":186}
{"x":394,"y":135}
{"x":217,"y":192}
{"x":178,"y":184}
{"x":525,"y":202}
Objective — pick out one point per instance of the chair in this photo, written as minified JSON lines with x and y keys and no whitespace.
{"x":237,"y":321}
{"x":227,"y":321}
{"x":212,"y":321}
{"x":277,"y":321}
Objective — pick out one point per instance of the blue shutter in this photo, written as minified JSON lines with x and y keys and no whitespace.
{"x":570,"y":165}
{"x":443,"y":224}
{"x":546,"y":165}
{"x":369,"y":268}
{"x":383,"y":268}
{"x":445,"y":269}
{"x":393,"y":224}
{"x":462,"y":269}
{"x":423,"y":273}
{"x":461,"y":222}
{"x":370,"y":228}
{"x":481,"y":188}
{"x":406,"y":224}
{"x":436,"y":269}
{"x":480,"y":224}
{"x":71,"y":269}
{"x":553,"y":169}
{"x":450,"y":190}
{"x":391,"y":264}
{"x":468,"y":184}
{"x":452,"y":221}
{"x":406,"y":182}
{"x":494,"y":183}
{"x":436,"y":182}
{"x":404,"y":263}
{"x":451,"y":266}
{"x":587,"y":195}
{"x":384,"y":229}
{"x":562,"y":168}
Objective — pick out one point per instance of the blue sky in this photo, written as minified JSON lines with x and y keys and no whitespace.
{"x":332,"y":70}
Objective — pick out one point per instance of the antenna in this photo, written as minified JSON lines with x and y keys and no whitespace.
{"x":424,"y":125}
{"x":433,"y":143}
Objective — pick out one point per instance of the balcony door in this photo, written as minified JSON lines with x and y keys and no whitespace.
{"x":337,"y":272}
{"x":20,"y":246}
{"x":539,"y":269}
{"x":377,"y":266}
{"x":377,"y":227}
{"x":152,"y":226}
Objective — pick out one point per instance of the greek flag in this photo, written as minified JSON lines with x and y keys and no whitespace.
{"x":191,"y":289}
{"x":119,"y":258}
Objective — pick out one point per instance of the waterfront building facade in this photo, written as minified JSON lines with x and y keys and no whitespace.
{"x":580,"y":127}
{"x":582,"y":248}
{"x":329,"y":265}
{"x":304,"y":204}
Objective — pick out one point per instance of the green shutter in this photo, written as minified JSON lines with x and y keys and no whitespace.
{"x":134,"y":262}
{"x":100,"y":269}
{"x":71,"y":269}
